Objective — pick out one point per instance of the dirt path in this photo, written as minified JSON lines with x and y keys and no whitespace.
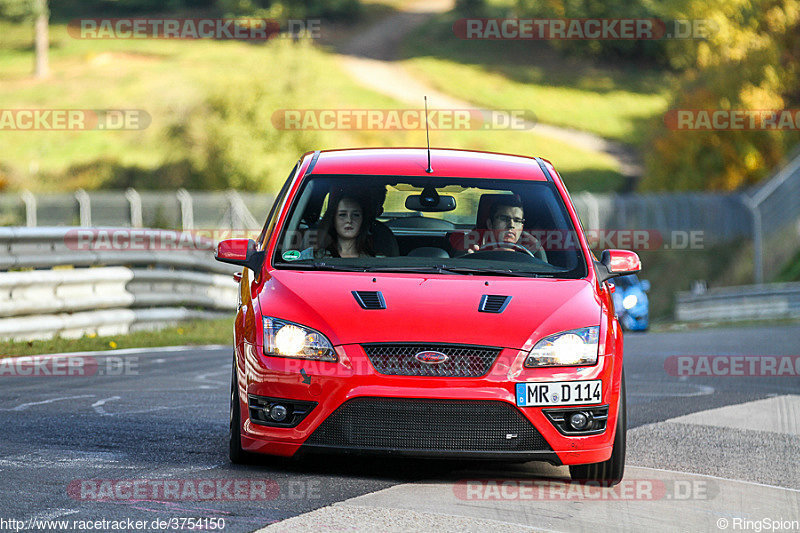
{"x":370,"y":58}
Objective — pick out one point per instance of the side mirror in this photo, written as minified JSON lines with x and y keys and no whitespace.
{"x":615,"y":263}
{"x":645,"y":285}
{"x":240,"y":252}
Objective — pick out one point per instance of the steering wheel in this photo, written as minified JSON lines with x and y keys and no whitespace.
{"x":540,"y":254}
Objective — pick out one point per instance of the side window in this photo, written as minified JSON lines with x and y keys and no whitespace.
{"x":272,"y":218}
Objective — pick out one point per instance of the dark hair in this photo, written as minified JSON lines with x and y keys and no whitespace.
{"x":510,"y":200}
{"x":328,"y":238}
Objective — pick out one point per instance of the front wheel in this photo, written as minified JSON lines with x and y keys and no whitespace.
{"x":235,"y":452}
{"x":609,"y":472}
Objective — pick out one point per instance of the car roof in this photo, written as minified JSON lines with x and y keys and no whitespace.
{"x":444,"y":162}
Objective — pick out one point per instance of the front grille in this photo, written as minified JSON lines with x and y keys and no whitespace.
{"x":463,"y":361}
{"x":412,"y":424}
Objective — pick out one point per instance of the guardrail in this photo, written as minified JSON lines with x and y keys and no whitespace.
{"x":57,"y":290}
{"x":750,"y":302}
{"x":181,"y":208}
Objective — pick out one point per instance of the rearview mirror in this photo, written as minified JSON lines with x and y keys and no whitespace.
{"x":418,"y":202}
{"x":615,"y":263}
{"x":241,"y":252}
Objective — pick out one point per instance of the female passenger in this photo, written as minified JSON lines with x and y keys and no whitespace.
{"x":344,"y":228}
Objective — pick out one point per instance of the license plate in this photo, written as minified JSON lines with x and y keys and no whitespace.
{"x":559,"y":393}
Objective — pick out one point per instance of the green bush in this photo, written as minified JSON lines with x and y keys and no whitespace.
{"x":751,"y":62}
{"x":229,"y":139}
{"x":471,"y":8}
{"x":294,"y":9}
{"x":651,"y":51}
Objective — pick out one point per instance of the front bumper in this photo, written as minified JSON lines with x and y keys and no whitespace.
{"x":361,"y":411}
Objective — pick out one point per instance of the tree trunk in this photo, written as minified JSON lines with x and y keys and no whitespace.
{"x":42,"y":39}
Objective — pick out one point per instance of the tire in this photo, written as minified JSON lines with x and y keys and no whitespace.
{"x":608,"y":473}
{"x":235,"y":452}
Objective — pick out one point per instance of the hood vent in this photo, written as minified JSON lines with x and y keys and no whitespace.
{"x":493,"y":303}
{"x":370,"y":299}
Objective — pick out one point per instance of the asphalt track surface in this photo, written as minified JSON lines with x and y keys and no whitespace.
{"x":716,"y":448}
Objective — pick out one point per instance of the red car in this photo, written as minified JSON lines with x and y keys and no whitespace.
{"x":437,"y":304}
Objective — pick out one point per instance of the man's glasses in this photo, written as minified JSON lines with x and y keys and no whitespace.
{"x":507,"y":220}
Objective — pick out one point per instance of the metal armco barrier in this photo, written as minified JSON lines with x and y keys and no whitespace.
{"x":56,"y":290}
{"x":778,"y":300}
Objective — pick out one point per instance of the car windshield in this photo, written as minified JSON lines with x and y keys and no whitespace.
{"x":453,"y":226}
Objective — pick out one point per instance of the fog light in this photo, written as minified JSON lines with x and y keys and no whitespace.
{"x":578,"y":421}
{"x":278,"y":413}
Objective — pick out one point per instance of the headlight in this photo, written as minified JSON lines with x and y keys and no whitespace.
{"x":286,"y":339}
{"x":629,"y":301}
{"x":568,"y":348}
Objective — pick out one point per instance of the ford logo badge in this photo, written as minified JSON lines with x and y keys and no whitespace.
{"x":431,"y":357}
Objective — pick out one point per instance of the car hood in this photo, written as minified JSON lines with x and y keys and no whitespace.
{"x":435,"y":308}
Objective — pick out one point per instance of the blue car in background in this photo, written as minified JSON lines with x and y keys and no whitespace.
{"x":631,"y":304}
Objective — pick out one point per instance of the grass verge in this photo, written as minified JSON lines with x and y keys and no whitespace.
{"x":614,"y":102}
{"x":190,"y":333}
{"x":174,"y":81}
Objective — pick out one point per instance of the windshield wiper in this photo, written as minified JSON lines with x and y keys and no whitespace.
{"x":445,"y":269}
{"x":435,"y":269}
{"x":494,"y":271}
{"x":321,"y":265}
{"x":423,"y":269}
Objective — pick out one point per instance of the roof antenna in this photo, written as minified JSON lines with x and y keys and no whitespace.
{"x":427,"y":137}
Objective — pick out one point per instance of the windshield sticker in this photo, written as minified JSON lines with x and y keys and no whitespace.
{"x":291,"y":255}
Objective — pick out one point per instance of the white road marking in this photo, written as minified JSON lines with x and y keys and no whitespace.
{"x":50,"y":457}
{"x":715,"y":477}
{"x":438,"y":502}
{"x":780,"y":414}
{"x":50,"y":515}
{"x":204,"y":377}
{"x":24,"y":406}
{"x":126,"y":351}
{"x":152,"y":409}
{"x":703,"y":390}
{"x":98,"y":405}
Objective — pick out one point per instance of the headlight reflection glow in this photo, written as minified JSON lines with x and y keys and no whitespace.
{"x":568,"y":348}
{"x":285,"y":339}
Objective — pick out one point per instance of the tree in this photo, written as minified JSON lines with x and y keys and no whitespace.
{"x":41,"y":39}
{"x":751,"y":61}
{"x":38,"y":11}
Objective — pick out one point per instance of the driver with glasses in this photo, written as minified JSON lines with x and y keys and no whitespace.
{"x":505,"y":224}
